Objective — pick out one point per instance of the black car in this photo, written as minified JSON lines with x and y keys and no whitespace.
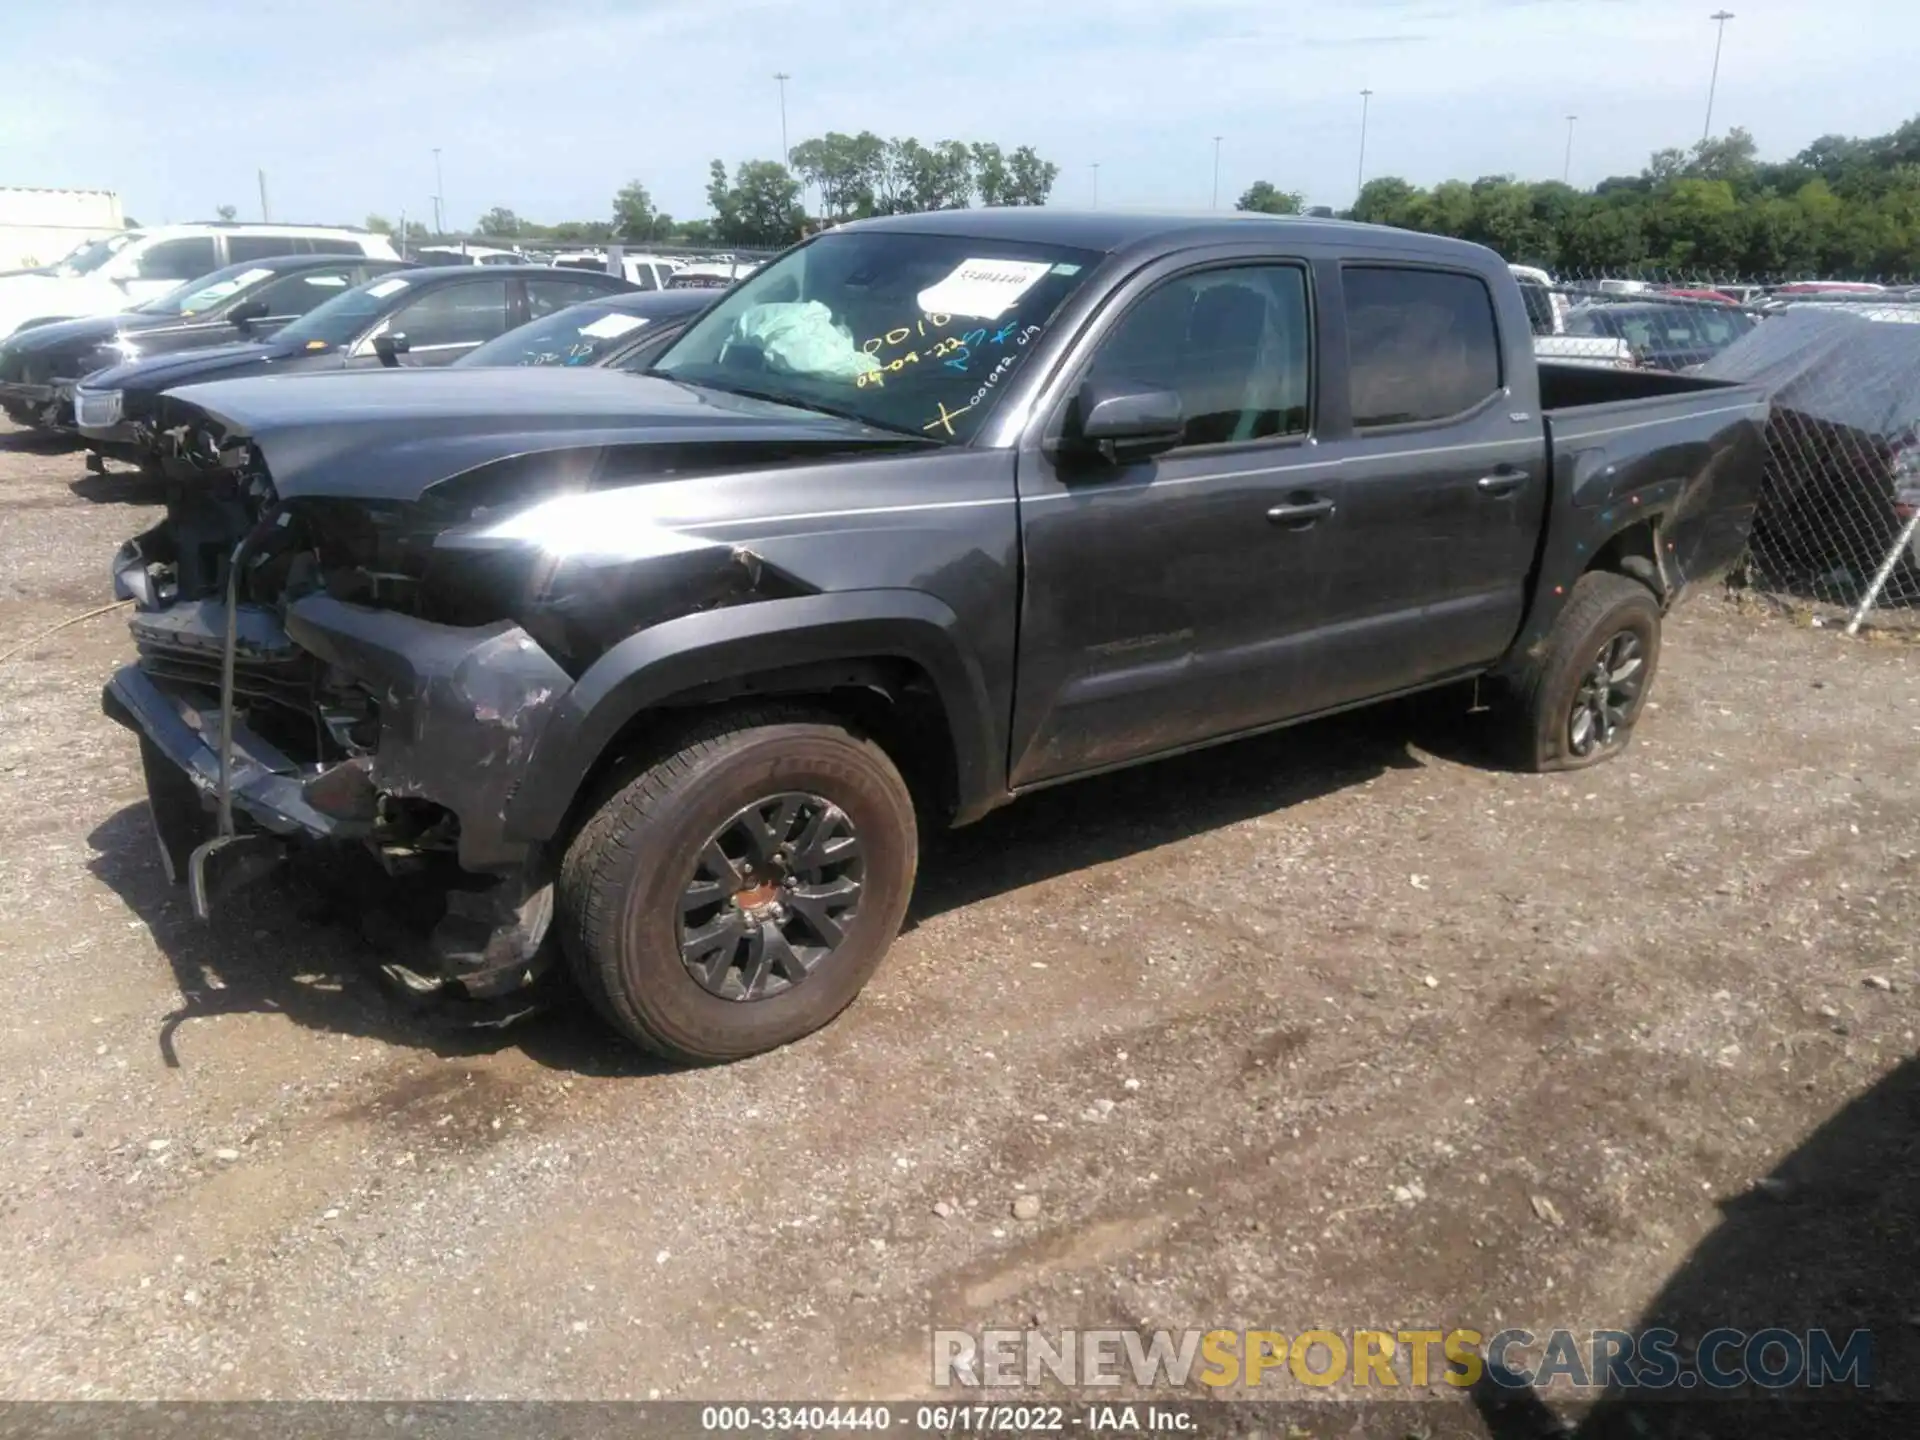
{"x":1664,"y":335}
{"x":621,"y":332}
{"x":409,"y":318}
{"x":246,"y":302}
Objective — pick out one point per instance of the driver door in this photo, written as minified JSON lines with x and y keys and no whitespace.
{"x":1168,"y":600}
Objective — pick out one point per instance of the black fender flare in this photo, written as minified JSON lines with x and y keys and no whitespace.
{"x":684,"y":654}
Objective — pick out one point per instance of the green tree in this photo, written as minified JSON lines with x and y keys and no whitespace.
{"x":843,"y":168}
{"x":759,"y":206}
{"x":378,"y":224}
{"x":500,"y":221}
{"x":634,"y":217}
{"x":1029,"y":178}
{"x":1266,"y":198}
{"x":990,"y":174}
{"x":225,"y":212}
{"x":1383,"y":201}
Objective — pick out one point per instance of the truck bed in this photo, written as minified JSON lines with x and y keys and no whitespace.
{"x":1684,"y":451}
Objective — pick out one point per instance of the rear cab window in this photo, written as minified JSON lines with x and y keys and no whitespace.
{"x":1422,"y":344}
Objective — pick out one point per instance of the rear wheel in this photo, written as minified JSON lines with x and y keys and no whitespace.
{"x":1578,"y":700}
{"x":735,"y":894}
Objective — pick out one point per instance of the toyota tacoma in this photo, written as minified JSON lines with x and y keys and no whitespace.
{"x":660,"y":675}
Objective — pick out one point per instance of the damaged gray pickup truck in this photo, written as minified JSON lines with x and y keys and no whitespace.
{"x":659,"y":675}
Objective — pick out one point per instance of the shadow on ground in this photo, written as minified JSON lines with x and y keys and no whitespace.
{"x":36,"y":442}
{"x":307,"y":941}
{"x":120,"y":487}
{"x":1092,"y":822}
{"x":1830,"y":1241}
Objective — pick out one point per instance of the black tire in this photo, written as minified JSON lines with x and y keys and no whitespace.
{"x":1610,"y":626}
{"x":636,"y":858}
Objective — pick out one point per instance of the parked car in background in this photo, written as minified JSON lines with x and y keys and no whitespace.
{"x":1829,"y":287}
{"x":1843,"y":476}
{"x":710,"y":274}
{"x":403,"y":319}
{"x":40,"y":366}
{"x":1663,"y":336}
{"x":123,"y":270}
{"x":464,"y":254}
{"x":619,"y":331}
{"x":663,"y":673}
{"x":1548,"y":304}
{"x":643,"y":272}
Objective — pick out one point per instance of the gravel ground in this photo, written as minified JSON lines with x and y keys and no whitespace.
{"x":1299,"y":1032}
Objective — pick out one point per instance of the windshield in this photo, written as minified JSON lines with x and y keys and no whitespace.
{"x":203,"y":294}
{"x":916,"y":333}
{"x":95,"y":253}
{"x":578,"y":335}
{"x":342,"y":318}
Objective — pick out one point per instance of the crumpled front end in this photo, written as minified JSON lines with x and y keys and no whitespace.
{"x":374,"y":682}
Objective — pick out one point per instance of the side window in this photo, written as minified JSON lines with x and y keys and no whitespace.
{"x":258,"y":247}
{"x":466,"y":312}
{"x":180,"y":259}
{"x":322,"y":245}
{"x":1232,"y":344}
{"x":545,"y":296}
{"x":1421,"y":344}
{"x":1539,"y":302}
{"x":297,"y":294}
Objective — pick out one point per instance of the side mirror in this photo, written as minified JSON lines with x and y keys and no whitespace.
{"x":1123,"y":421}
{"x":391,"y":347}
{"x":243,"y":316}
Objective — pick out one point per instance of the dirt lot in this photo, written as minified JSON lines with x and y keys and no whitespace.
{"x":1294,"y":1033}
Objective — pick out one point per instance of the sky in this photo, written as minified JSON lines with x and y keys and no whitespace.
{"x":549,"y":109}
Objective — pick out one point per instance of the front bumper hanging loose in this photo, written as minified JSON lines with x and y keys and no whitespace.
{"x":459,"y":711}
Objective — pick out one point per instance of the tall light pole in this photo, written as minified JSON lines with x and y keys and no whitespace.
{"x":1566,"y":171}
{"x":1360,"y":175}
{"x":1719,"y":18}
{"x":1216,"y":171}
{"x":1096,"y":184}
{"x":439,"y":195}
{"x":786,"y":155}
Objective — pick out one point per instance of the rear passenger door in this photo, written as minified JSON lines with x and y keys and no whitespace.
{"x":1444,"y":487}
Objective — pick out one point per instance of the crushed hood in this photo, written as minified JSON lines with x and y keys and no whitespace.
{"x":393,"y":434}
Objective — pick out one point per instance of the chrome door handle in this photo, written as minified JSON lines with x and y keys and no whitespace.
{"x":1303,"y":513}
{"x":1501,"y":482}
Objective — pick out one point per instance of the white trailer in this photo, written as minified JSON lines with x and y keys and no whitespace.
{"x":38,"y":227}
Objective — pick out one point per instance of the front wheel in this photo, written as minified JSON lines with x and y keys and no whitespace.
{"x":736,"y":893}
{"x":1579,"y":698}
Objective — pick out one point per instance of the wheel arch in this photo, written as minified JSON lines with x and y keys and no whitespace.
{"x":889,"y":660}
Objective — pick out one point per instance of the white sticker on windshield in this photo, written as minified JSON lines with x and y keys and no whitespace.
{"x":387,"y":287}
{"x":982,"y":289}
{"x":329,"y":281}
{"x":608,"y":327}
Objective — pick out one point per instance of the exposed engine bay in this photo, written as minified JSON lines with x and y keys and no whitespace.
{"x":380,"y":676}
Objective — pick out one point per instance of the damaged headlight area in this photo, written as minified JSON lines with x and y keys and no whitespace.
{"x":383,"y":675}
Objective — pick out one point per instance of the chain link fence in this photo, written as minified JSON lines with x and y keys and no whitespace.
{"x":1837,"y":522}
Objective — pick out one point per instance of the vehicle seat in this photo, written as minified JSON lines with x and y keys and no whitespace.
{"x":1224,"y":336}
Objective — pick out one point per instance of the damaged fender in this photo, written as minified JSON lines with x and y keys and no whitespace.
{"x":713,"y":647}
{"x":460,"y":710}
